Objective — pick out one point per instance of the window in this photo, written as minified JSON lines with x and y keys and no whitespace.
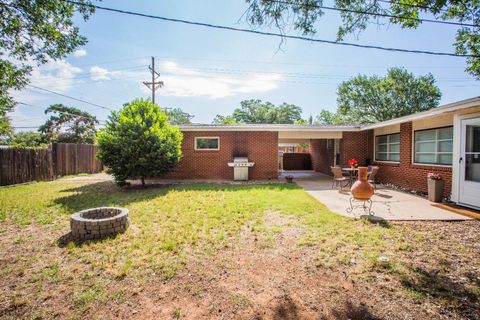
{"x":207,"y":143}
{"x":434,"y":146}
{"x":387,"y":147}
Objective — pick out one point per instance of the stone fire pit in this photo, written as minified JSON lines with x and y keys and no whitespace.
{"x":98,"y":223}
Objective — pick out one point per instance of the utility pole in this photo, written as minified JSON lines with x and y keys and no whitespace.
{"x":154,"y":85}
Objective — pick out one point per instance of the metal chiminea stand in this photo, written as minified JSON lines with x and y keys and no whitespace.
{"x":366,"y":205}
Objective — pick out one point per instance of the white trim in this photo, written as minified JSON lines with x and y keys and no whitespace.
{"x":433,"y":165}
{"x":457,"y":135}
{"x":387,"y":162}
{"x":195,"y":143}
{"x":269,"y":128}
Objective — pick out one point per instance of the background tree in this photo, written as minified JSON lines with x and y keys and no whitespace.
{"x":219,"y":119}
{"x":27,"y":139}
{"x":327,"y":117}
{"x":138,"y":142}
{"x":370,"y":99}
{"x":257,"y":111}
{"x":69,"y":125}
{"x":178,"y":116}
{"x":359,"y":14}
{"x":34,"y":32}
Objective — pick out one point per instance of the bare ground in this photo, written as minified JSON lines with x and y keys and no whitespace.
{"x":274,"y":278}
{"x":271,"y":276}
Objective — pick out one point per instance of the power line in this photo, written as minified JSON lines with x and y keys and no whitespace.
{"x":279,"y":35}
{"x":385,"y":15}
{"x":70,"y":97}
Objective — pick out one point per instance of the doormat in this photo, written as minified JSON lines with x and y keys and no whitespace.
{"x":472,"y":213}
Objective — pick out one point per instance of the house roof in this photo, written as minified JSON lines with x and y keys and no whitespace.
{"x":267,"y":127}
{"x":451,"y":107}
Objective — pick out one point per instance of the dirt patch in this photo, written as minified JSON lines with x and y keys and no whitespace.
{"x":259,"y":277}
{"x":261,"y":274}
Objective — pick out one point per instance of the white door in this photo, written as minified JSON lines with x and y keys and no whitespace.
{"x":469,"y":186}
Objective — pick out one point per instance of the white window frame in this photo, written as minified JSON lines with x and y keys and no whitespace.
{"x":388,"y":147}
{"x":436,"y":152}
{"x":197,"y":149}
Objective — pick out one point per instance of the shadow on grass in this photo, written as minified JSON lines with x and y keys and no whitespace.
{"x":288,"y":309}
{"x":350,"y":311}
{"x":422,"y":284}
{"x":67,"y":238}
{"x":376,"y":220}
{"x":107,"y":193}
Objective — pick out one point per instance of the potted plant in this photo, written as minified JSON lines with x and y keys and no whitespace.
{"x":289,"y":178}
{"x":435,"y":187}
{"x":353,"y":163}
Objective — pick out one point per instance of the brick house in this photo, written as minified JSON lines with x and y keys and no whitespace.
{"x":443,"y":140}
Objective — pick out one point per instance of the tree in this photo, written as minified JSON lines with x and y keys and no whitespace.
{"x":68,"y":125}
{"x":138,"y":142}
{"x":27,"y":139}
{"x":219,"y":119}
{"x":370,"y":99}
{"x":256,"y":111}
{"x":34,"y":32}
{"x":357,"y":15}
{"x":326,"y":117}
{"x":178,"y":116}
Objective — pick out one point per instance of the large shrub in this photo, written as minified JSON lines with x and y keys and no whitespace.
{"x":138,"y":142}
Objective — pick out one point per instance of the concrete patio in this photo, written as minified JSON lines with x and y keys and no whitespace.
{"x":388,"y":204}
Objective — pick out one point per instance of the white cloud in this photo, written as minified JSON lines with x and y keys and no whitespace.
{"x":54,"y":75}
{"x":98,"y":73}
{"x":80,"y":53}
{"x":187,"y":82}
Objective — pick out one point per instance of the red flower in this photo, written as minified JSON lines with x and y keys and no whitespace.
{"x":352,"y":162}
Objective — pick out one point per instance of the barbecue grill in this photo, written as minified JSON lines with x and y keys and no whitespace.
{"x":240,"y":167}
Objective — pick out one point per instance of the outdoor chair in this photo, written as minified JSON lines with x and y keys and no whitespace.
{"x":371,"y":176}
{"x":338,"y":177}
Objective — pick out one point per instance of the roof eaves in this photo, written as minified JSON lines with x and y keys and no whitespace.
{"x":467,"y":103}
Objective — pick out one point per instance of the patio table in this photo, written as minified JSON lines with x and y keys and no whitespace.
{"x":352,"y":175}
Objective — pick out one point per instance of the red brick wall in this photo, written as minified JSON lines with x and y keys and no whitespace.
{"x":297,"y":161}
{"x":406,"y":174}
{"x":321,"y":152}
{"x":259,"y":147}
{"x":357,"y":145}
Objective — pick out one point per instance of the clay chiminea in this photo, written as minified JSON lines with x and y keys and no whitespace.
{"x":362,"y":189}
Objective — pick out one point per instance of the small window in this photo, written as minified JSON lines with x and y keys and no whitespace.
{"x":387,"y":147}
{"x":434,"y":146}
{"x":207,"y":143}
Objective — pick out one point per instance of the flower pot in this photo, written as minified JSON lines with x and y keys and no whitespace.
{"x":435,"y":190}
{"x":289,"y":179}
{"x":362,"y":189}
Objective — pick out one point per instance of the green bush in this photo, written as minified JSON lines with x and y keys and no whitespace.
{"x":138,"y":142}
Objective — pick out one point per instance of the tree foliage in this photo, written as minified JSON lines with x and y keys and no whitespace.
{"x":370,"y":99}
{"x":178,"y":116}
{"x":32,"y":33}
{"x":68,"y":125}
{"x":257,"y":111}
{"x":327,"y":117}
{"x":27,"y":139}
{"x":138,"y":142}
{"x":357,"y":15}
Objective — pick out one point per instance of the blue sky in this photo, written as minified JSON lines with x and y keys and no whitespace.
{"x":209,"y":71}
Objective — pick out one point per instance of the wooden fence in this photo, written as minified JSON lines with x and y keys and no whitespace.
{"x":18,"y":165}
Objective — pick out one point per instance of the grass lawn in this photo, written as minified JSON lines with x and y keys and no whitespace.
{"x":227,"y":251}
